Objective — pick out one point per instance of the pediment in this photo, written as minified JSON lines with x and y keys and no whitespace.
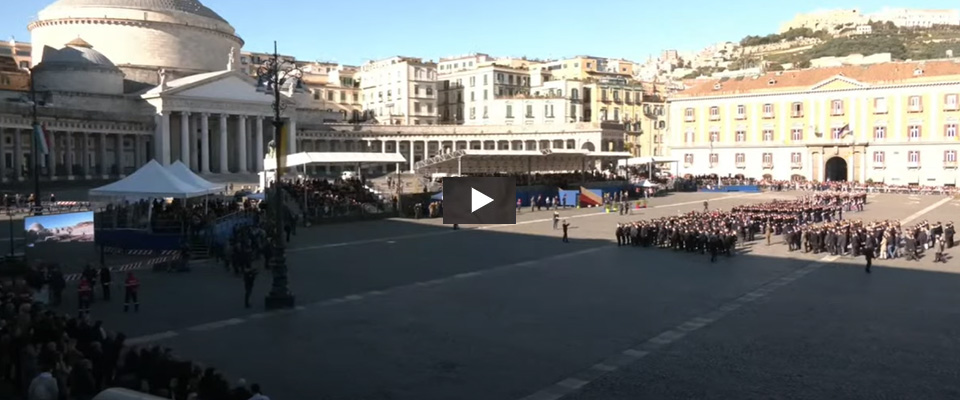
{"x":229,"y":88}
{"x":838,"y":82}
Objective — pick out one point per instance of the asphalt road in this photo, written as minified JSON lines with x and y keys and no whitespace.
{"x":414,"y":310}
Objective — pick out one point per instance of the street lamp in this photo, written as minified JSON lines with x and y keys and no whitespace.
{"x":35,"y":148}
{"x":271,"y":76}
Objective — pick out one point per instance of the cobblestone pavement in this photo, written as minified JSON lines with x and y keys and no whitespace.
{"x":414,"y":310}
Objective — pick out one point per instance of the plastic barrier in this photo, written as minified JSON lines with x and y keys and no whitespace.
{"x":735,"y":188}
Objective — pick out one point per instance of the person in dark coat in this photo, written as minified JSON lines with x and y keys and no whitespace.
{"x":105,"y":280}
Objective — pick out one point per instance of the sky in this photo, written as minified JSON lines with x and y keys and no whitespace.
{"x":352,"y":33}
{"x":59,"y":220}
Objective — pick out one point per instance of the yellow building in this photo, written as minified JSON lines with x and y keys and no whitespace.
{"x":892,"y":122}
{"x":334,"y":88}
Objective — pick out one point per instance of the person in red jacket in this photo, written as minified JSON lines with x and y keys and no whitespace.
{"x":84,"y":297}
{"x":132,"y":287}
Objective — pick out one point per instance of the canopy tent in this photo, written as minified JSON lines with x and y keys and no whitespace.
{"x":182,"y":172}
{"x":646,"y":183}
{"x":646,"y":160}
{"x":150,"y":181}
{"x":438,"y":196}
{"x":298,"y":159}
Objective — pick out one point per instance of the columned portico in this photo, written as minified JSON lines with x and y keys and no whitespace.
{"x":242,"y":143}
{"x":205,"y":143}
{"x":258,"y":144}
{"x":185,"y":137}
{"x":224,"y":166}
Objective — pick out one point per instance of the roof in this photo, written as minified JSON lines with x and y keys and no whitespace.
{"x":876,"y":74}
{"x":294,"y":160}
{"x":150,"y":181}
{"x":184,"y":6}
{"x":77,"y":53}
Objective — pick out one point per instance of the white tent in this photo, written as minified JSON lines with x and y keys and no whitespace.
{"x":646,"y":183}
{"x":150,"y":181}
{"x":182,"y":172}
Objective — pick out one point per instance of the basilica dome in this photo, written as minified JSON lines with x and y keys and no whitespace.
{"x":77,"y":67}
{"x":140,"y":37}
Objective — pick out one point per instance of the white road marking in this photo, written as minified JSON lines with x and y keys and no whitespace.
{"x":564,"y":387}
{"x":151,"y":338}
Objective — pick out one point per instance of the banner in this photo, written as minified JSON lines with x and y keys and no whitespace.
{"x":42,"y":139}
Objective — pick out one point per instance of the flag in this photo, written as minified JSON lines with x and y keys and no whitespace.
{"x":42,"y":139}
{"x":281,"y":148}
{"x":845,"y":130}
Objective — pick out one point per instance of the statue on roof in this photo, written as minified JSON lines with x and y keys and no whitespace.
{"x":230,"y":58}
{"x":162,"y":74}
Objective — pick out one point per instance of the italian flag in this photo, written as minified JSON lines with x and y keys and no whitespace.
{"x":42,"y":137}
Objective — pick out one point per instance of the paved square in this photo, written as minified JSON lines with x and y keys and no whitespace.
{"x":416,"y":310}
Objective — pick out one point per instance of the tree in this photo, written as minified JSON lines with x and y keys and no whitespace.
{"x":774,"y":67}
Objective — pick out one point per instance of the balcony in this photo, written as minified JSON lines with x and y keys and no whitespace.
{"x":688,"y":119}
{"x":950,"y":164}
{"x":768,"y":165}
{"x":713,"y":164}
{"x":741,"y":165}
{"x":741,"y":117}
{"x":796,"y":165}
{"x":913,"y":164}
{"x":879,"y":165}
{"x":767,"y":115}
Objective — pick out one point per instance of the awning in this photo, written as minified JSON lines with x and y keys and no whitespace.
{"x":294,"y":160}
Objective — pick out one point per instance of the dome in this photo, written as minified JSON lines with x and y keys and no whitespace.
{"x":77,"y":53}
{"x":184,"y":6}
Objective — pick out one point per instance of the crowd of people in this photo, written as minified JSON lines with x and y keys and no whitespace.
{"x":325,"y":198}
{"x":885,"y":239}
{"x":162,"y":216}
{"x":48,"y":355}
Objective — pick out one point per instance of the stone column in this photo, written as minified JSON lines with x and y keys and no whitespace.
{"x":85,"y":149}
{"x":3,"y":152}
{"x":258,"y":143}
{"x":102,"y":159}
{"x":194,"y":152}
{"x":161,"y":139}
{"x":17,"y":154}
{"x":242,"y":144}
{"x":411,"y":155}
{"x":118,"y":152}
{"x":292,"y":136}
{"x":224,"y":166}
{"x":71,"y":158}
{"x":52,"y":158}
{"x":205,"y":143}
{"x":138,"y":151}
{"x":185,"y":137}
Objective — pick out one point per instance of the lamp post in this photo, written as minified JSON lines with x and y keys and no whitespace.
{"x":271,"y":76}
{"x":35,"y":148}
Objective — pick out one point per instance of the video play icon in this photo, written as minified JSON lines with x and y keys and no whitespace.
{"x":476,"y":200}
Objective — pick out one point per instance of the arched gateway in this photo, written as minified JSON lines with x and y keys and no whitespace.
{"x":836,"y":170}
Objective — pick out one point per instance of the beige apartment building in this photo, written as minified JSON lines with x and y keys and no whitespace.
{"x":19,"y":52}
{"x":399,"y":91}
{"x":465,"y":92}
{"x":333,"y":88}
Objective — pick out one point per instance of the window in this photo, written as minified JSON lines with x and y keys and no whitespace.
{"x":950,"y":131}
{"x":509,"y":111}
{"x":796,"y":134}
{"x":616,"y":114}
{"x":768,"y":110}
{"x":330,"y":95}
{"x":616,"y":95}
{"x":473,"y":81}
{"x":915,"y":104}
{"x":485,"y":80}
{"x":838,"y":132}
{"x":714,"y":159}
{"x":880,"y":105}
{"x":740,"y":159}
{"x":796,"y":110}
{"x":913,"y":157}
{"x":626,"y":96}
{"x":950,"y":102}
{"x":879,"y":132}
{"x":767,"y":159}
{"x":603,"y":114}
{"x":688,"y":115}
{"x":316,"y":95}
{"x":484,"y":94}
{"x":473,"y":96}
{"x":714,"y":137}
{"x":574,"y":94}
{"x":879,"y":157}
{"x":950,"y":156}
{"x":688,"y":159}
{"x":529,"y":113}
{"x":548,"y":110}
{"x":741,"y":111}
{"x":741,"y":136}
{"x":473,"y":113}
{"x":486,"y":113}
{"x":836,"y":107}
{"x":714,"y":113}
{"x":689,"y":137}
{"x":499,"y":78}
{"x":913,"y":132}
{"x":768,"y":135}
{"x":796,"y":159}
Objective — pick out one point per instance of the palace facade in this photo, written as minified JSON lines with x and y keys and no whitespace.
{"x":894,"y":122}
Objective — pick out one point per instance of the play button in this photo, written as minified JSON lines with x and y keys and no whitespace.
{"x":478,"y":200}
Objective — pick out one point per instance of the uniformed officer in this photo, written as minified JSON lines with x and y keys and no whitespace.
{"x":619,"y":233}
{"x":556,"y":219}
{"x":249,"y":276}
{"x":84,"y":296}
{"x":105,"y":280}
{"x":566,"y":225}
{"x":131,"y":287}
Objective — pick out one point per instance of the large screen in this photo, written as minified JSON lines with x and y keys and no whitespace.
{"x":59,"y":228}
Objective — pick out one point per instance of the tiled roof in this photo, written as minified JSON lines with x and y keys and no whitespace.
{"x":876,"y":74}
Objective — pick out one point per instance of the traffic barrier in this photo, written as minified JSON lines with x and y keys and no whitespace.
{"x":126,"y":267}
